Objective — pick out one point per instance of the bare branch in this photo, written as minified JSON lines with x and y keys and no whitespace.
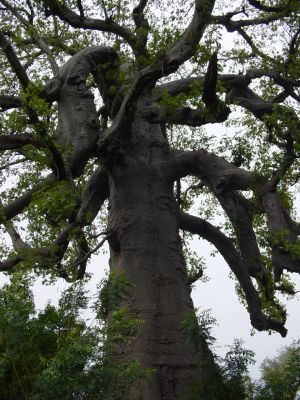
{"x":31,"y":15}
{"x":17,"y":242}
{"x":232,"y":26}
{"x":294,"y":45}
{"x":276,"y":75}
{"x":221,"y":175}
{"x":238,"y":266}
{"x":80,"y":8}
{"x":13,"y":59}
{"x":176,"y":87}
{"x":54,"y":7}
{"x":186,"y":46}
{"x":187,"y":116}
{"x":10,"y":142}
{"x":91,"y":202}
{"x":97,"y":191}
{"x":237,"y":92}
{"x":284,"y":235}
{"x":18,"y":205}
{"x":24,"y":80}
{"x":105,"y":10}
{"x":240,"y":212}
{"x":215,"y":112}
{"x":9,"y":263}
{"x":252,"y":45}
{"x":259,"y":6}
{"x":84,"y":249}
{"x":87,"y":255}
{"x":209,"y":96}
{"x":142,"y":27}
{"x":8,"y":102}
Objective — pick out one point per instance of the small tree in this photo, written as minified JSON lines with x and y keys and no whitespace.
{"x":103,"y":106}
{"x":281,"y":375}
{"x":235,"y":371}
{"x":54,"y":353}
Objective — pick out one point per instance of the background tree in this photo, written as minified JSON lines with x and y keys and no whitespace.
{"x":281,"y":375}
{"x":92,"y":97}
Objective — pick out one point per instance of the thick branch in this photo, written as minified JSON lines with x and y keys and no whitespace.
{"x":54,"y":7}
{"x":224,"y":178}
{"x":209,"y":95}
{"x":142,"y":27}
{"x":9,"y":263}
{"x":13,"y":59}
{"x":18,"y":205}
{"x":219,"y":173}
{"x":8,"y":102}
{"x":187,"y":116}
{"x":215,"y":112}
{"x":239,"y":211}
{"x":236,"y":263}
{"x":284,"y":81}
{"x":78,"y":122}
{"x":186,"y":46}
{"x":173,"y":88}
{"x":17,"y":242}
{"x":237,"y":92}
{"x":96,"y":192}
{"x":10,"y":142}
{"x":284,"y":239}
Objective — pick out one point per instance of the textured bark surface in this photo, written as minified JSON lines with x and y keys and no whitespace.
{"x":145,"y":244}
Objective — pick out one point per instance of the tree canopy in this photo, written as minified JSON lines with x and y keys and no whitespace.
{"x":133,"y":122}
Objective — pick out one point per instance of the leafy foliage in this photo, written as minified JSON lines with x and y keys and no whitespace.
{"x":280,"y":375}
{"x":55,"y":353}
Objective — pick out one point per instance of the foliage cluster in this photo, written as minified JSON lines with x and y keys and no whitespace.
{"x":56,"y":353}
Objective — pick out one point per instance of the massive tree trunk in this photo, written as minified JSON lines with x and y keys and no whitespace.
{"x":137,"y":169}
{"x":145,"y":244}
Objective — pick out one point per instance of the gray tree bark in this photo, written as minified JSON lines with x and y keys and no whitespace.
{"x":145,"y":244}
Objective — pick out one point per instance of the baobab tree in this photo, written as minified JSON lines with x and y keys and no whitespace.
{"x":102,"y":107}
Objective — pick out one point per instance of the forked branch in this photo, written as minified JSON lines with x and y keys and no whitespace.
{"x":212,"y":169}
{"x":237,"y":265}
{"x":54,"y":7}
